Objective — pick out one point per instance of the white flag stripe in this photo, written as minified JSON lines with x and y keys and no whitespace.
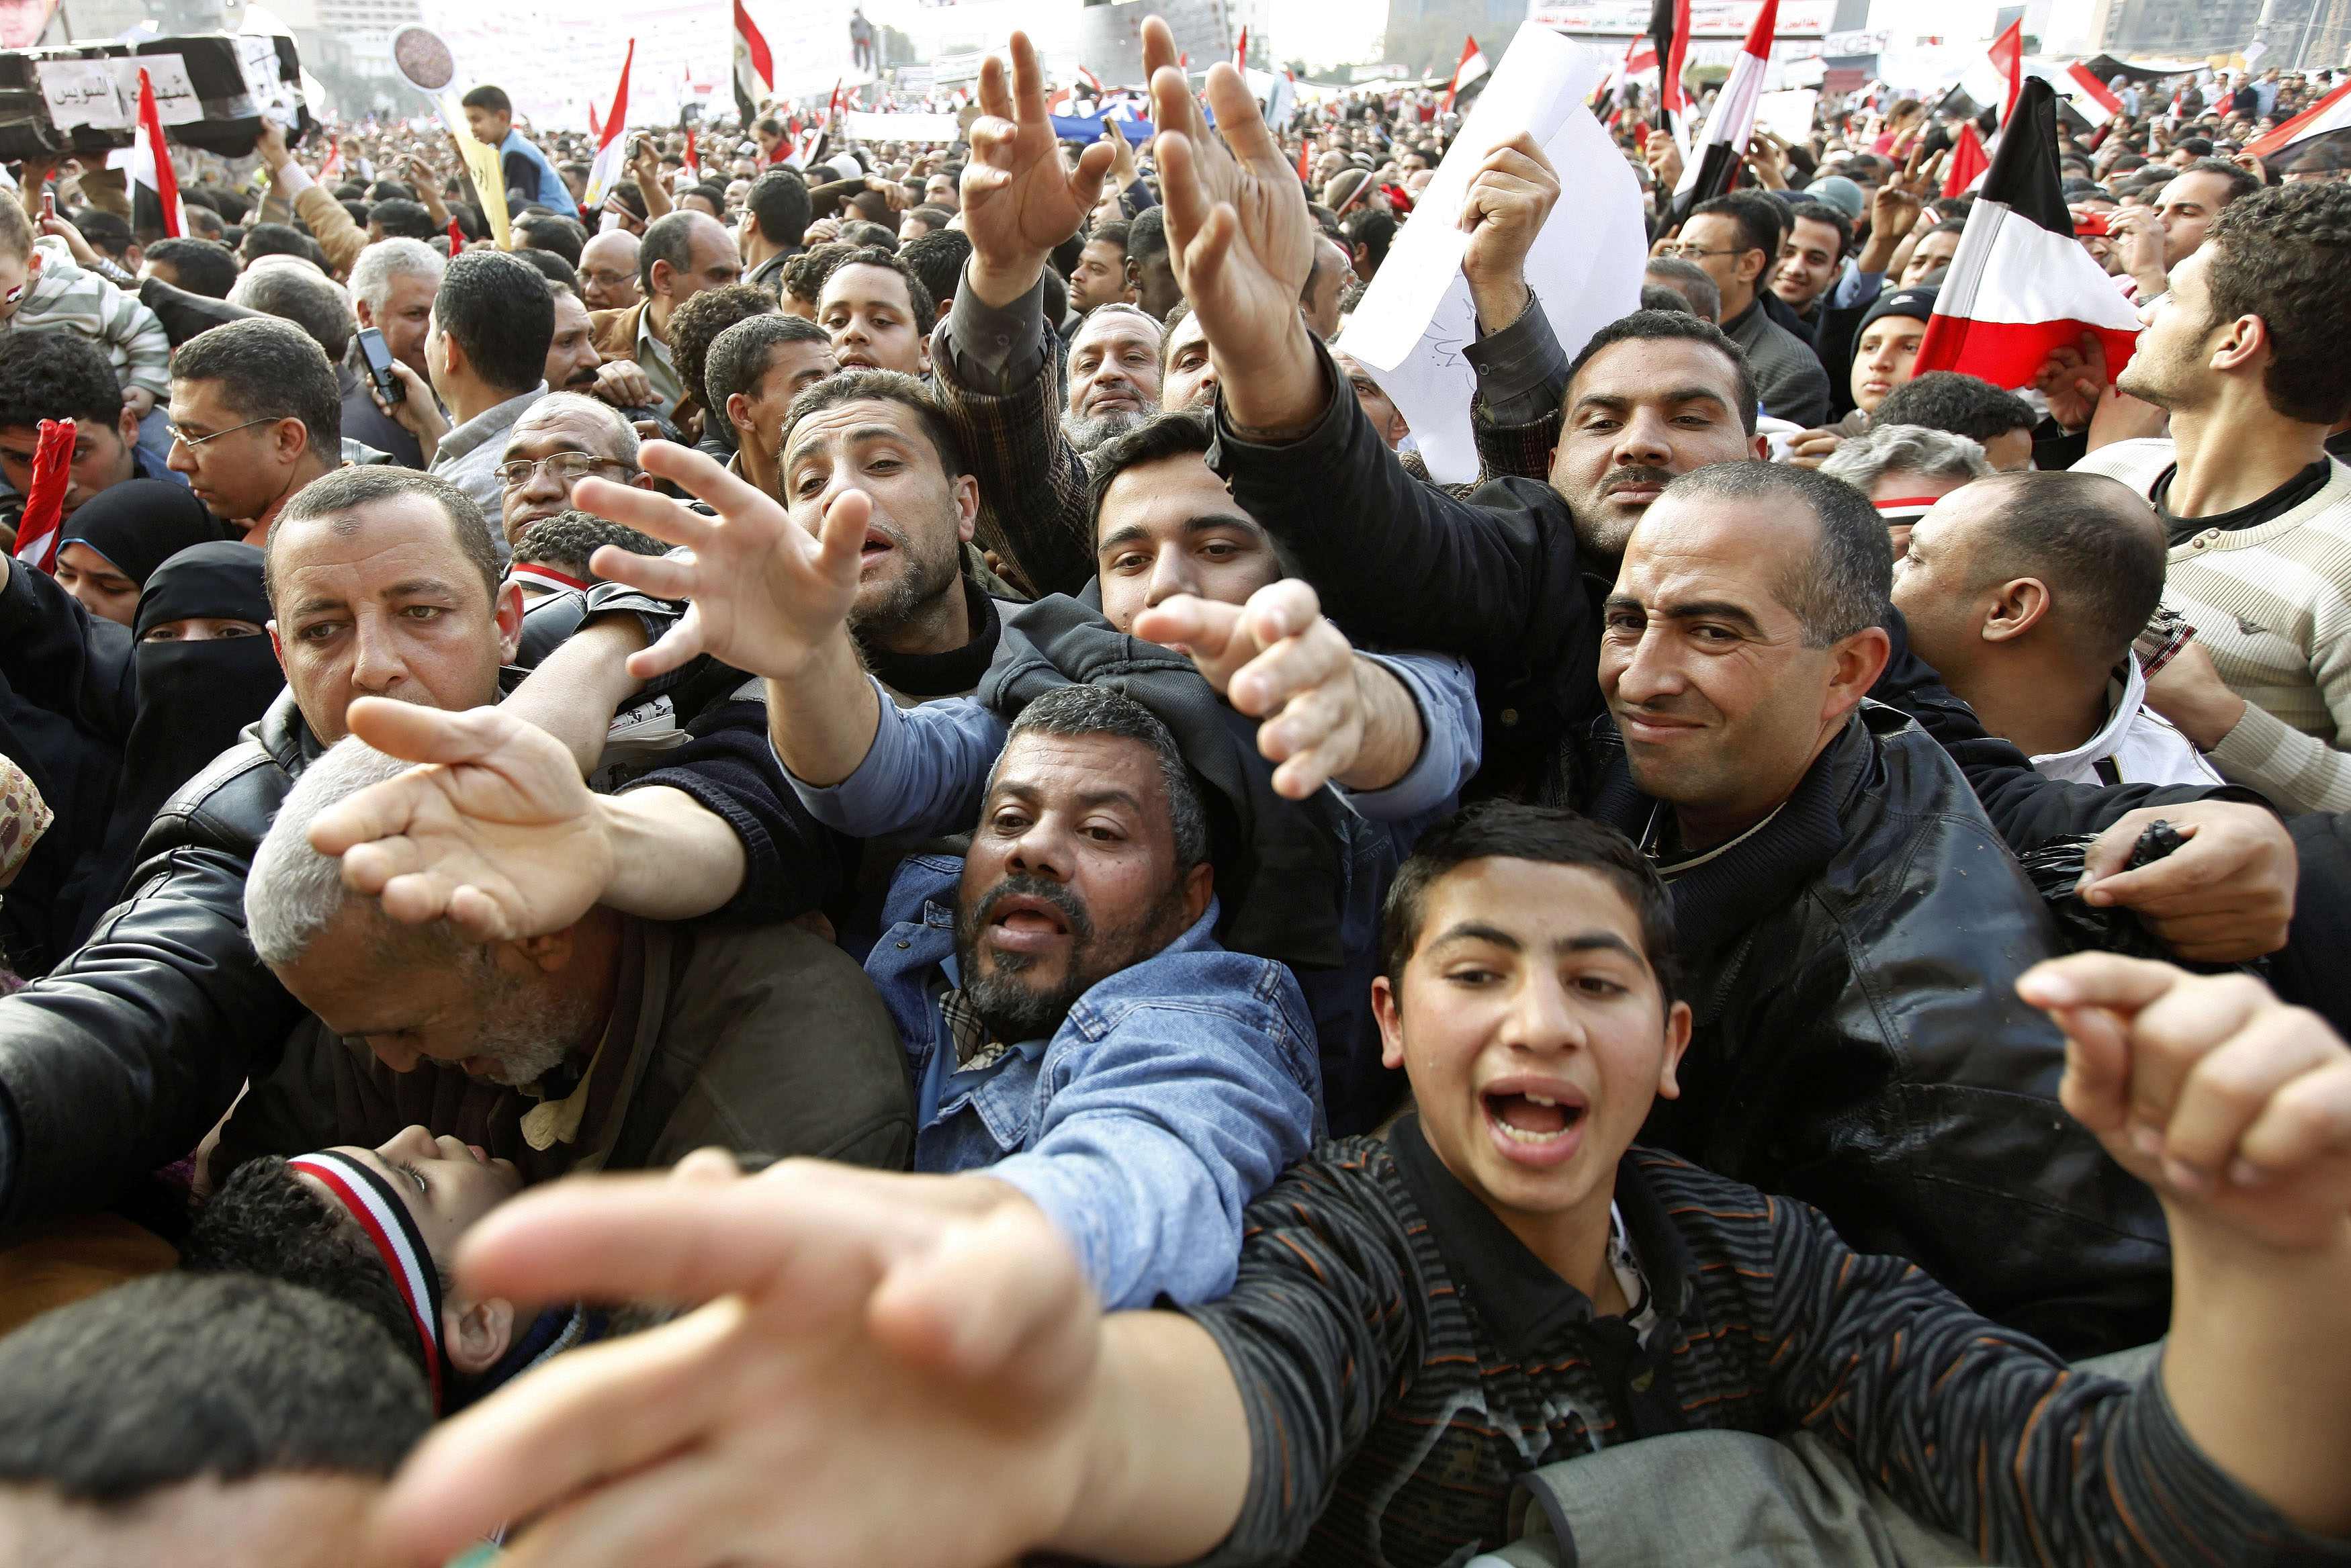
{"x":2009,"y":268}
{"x":1733,"y":116}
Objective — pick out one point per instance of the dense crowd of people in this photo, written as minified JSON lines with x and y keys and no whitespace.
{"x":1092,"y":963}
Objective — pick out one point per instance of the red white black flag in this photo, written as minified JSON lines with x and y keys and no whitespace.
{"x":2020,"y":284}
{"x":1707,"y":173}
{"x":755,"y":67}
{"x":155,"y":189}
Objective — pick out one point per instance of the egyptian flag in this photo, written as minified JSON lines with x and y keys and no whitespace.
{"x":2082,"y":84}
{"x":755,"y":68}
{"x":1640,"y":54}
{"x":393,"y":1236}
{"x":2020,"y":284}
{"x":1669,"y":25}
{"x":1241,"y":49}
{"x":693,"y":160}
{"x":43,"y":520}
{"x":154,"y":189}
{"x":1903,"y":510}
{"x":2330,"y":113}
{"x":1969,"y":162}
{"x":1709,"y":172}
{"x":613,"y":150}
{"x":1470,"y":69}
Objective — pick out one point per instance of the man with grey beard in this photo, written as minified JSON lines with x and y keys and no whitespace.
{"x":1113,"y":376}
{"x":613,"y":1043}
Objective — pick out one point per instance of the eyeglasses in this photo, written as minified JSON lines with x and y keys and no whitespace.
{"x":1692,"y":252}
{"x":184,"y":439}
{"x":566,"y":468}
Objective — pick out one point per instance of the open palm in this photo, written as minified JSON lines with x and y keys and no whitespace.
{"x":1019,"y":198}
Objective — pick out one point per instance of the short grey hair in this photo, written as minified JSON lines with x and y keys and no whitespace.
{"x":293,"y":893}
{"x":1079,"y":711}
{"x":625,"y":444}
{"x":385,"y":260}
{"x":304,"y":296}
{"x":1906,"y":448}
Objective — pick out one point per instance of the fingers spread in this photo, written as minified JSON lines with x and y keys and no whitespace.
{"x":659,"y":576}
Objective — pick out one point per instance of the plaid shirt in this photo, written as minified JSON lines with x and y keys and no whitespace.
{"x":65,"y":299}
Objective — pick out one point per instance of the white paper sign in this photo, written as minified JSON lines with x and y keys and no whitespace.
{"x":862,"y":125}
{"x":81,"y":92}
{"x":175,"y":95}
{"x":1585,"y":267}
{"x":1786,"y":115}
{"x":275,"y":98}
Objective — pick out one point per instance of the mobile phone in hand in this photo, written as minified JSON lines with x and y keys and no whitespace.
{"x":48,"y":203}
{"x":379,"y":364}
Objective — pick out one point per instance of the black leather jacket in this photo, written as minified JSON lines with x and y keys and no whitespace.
{"x":1859,"y":1043}
{"x":125,"y":1056}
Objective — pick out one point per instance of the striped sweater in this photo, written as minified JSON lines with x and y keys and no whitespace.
{"x":65,"y":299}
{"x":1402,"y":1358}
{"x":2273,"y":606}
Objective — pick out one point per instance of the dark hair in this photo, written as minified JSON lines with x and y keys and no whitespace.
{"x":866,"y":235}
{"x":1661,"y":326}
{"x":1507,"y":830}
{"x":1162,"y":436}
{"x":739,"y":356}
{"x":1822,"y":213}
{"x":1963,"y":405}
{"x":1847,"y":584}
{"x":1146,"y":235}
{"x":695,"y":326}
{"x":391,"y":190}
{"x":274,"y":240}
{"x":778,"y":204}
{"x":1112,"y":233}
{"x":1688,"y":279}
{"x":568,"y":539}
{"x":269,"y":369}
{"x":1372,"y":228}
{"x":496,"y":310}
{"x":1083,"y":709}
{"x":934,"y":219}
{"x":668,"y":238}
{"x":2241,"y":183}
{"x":1757,"y":217}
{"x":312,"y":301}
{"x":2278,"y":255}
{"x":886,"y":387}
{"x":2201,"y":146}
{"x":356,"y":210}
{"x":2093,"y":537}
{"x":205,"y":266}
{"x":1657,"y":296}
{"x":553,"y":231}
{"x":804,"y":275}
{"x":494,"y":99}
{"x":108,"y":232}
{"x":57,"y":375}
{"x":187,"y":1375}
{"x":264,"y":1221}
{"x":338,"y":494}
{"x":558,"y":272}
{"x":937,"y":259}
{"x":918,"y":295}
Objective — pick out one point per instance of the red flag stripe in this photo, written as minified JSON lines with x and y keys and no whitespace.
{"x":2331,"y":112}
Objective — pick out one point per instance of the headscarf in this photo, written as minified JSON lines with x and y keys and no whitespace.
{"x":140,"y":523}
{"x":194,"y":698}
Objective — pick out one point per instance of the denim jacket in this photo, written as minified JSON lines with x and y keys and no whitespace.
{"x":1174,"y":1093}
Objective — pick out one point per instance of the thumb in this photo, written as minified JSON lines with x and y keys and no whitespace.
{"x":1093,"y":168}
{"x":2110,"y":852}
{"x":841,"y":541}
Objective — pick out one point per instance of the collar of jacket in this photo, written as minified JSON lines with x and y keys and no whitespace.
{"x":1715,"y":903}
{"x":285,"y":734}
{"x":1282,"y":865}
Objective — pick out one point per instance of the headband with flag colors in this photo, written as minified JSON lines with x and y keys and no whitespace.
{"x":368,"y":1198}
{"x":43,"y":519}
{"x":2331,"y":112}
{"x":1905,"y":508}
{"x":1669,"y":24}
{"x":155,"y":189}
{"x":1471,"y":66}
{"x":755,"y":67}
{"x":2021,"y":286}
{"x":612,"y":151}
{"x":538,"y":573}
{"x":1707,"y":174}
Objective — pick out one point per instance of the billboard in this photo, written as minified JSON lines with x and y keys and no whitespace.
{"x":1709,"y":18}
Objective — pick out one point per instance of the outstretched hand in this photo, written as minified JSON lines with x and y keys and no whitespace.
{"x":764,"y":594}
{"x":496,"y":834}
{"x":1019,"y":198}
{"x":1239,"y":239}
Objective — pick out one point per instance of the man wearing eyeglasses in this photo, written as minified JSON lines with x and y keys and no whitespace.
{"x":1735,"y":240}
{"x":559,"y":441}
{"x":256,"y":414}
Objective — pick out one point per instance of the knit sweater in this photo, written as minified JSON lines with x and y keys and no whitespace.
{"x":2271,"y":603}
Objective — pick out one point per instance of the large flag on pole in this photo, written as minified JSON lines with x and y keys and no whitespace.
{"x":1470,"y":67}
{"x":2021,"y":286}
{"x":2331,"y":112}
{"x":1669,"y":24}
{"x":1706,"y":173}
{"x":155,"y":189}
{"x":755,"y":68}
{"x":612,"y":151}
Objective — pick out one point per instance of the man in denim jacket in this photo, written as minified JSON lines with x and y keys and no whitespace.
{"x":1073,"y":1028}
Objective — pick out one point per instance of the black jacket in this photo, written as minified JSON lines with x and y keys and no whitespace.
{"x":1498,"y":580}
{"x":1859,"y":1043}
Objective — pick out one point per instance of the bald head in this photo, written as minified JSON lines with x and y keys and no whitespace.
{"x":2092,"y":540}
{"x":608,"y":271}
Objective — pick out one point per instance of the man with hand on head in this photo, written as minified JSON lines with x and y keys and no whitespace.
{"x":493,"y":321}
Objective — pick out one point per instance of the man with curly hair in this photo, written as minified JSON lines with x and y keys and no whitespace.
{"x":551,"y":554}
{"x":2250,"y":353}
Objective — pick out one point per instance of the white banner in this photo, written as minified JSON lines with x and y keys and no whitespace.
{"x":864,"y":125}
